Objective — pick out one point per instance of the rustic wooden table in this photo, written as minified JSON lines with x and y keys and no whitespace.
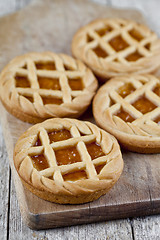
{"x":11,"y":225}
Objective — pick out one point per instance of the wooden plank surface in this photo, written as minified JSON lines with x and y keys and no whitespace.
{"x":135,"y":201}
{"x":141,"y":228}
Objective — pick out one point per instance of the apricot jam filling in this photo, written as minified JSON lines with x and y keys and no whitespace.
{"x":99,"y":168}
{"x":25,"y":66}
{"x":75,"y":84}
{"x":134,"y":56}
{"x":27,"y":97}
{"x":136,"y":35}
{"x":100,"y":52}
{"x":39,"y":162}
{"x":118,"y":43}
{"x":89,"y":38}
{"x":30,"y":99}
{"x":156,"y":90}
{"x":49,"y":83}
{"x":147,"y":46}
{"x":103,"y":31}
{"x":157,"y":120}
{"x":37,"y":143}
{"x":52,"y":100}
{"x":45,"y":66}
{"x":144,"y":105}
{"x":67,"y":156}
{"x":125,"y":90}
{"x":68,"y":68}
{"x":22,"y":81}
{"x":74,"y":176}
{"x":59,"y":135}
{"x":124,"y":116}
{"x":94,"y":150}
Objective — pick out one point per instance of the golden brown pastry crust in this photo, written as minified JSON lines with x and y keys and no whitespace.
{"x":142,"y":133}
{"x":27,"y":103}
{"x":49,"y":183}
{"x":137,"y":38}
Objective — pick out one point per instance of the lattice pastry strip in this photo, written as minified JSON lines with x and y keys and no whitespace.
{"x":116,"y":46}
{"x":62,"y":159}
{"x":42,"y":85}
{"x":130,"y":110}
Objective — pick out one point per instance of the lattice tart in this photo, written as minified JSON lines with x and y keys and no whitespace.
{"x":129,"y":108}
{"x":68,"y":161}
{"x":37,"y":86}
{"x":112,"y":47}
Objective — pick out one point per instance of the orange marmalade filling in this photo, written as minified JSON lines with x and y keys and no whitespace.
{"x":49,"y":83}
{"x":22,"y":81}
{"x":156,"y":90}
{"x":157,"y":120}
{"x":125,"y":90}
{"x":144,"y":105}
{"x":118,"y":43}
{"x":100,"y":52}
{"x":39,"y":162}
{"x":52,"y":100}
{"x":103,"y":31}
{"x":75,"y":83}
{"x":59,"y":135}
{"x":94,"y":150}
{"x":134,"y":56}
{"x":136,"y":35}
{"x":74,"y":176}
{"x":45,"y":66}
{"x":67,"y":156}
{"x":124,"y":116}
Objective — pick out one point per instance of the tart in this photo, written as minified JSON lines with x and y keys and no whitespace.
{"x":113,"y":47}
{"x":129,"y":108}
{"x":37,"y":86}
{"x":68,"y":161}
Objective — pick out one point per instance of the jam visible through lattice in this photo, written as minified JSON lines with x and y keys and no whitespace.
{"x":60,"y":135}
{"x":143,"y":105}
{"x":118,"y":43}
{"x":22,"y":81}
{"x":39,"y":162}
{"x":136,"y":35}
{"x":134,"y":56}
{"x":125,"y":116}
{"x":125,"y":90}
{"x":156,"y":90}
{"x":52,"y":100}
{"x":75,"y":84}
{"x":157,"y":120}
{"x":103,"y":31}
{"x":78,"y":175}
{"x":67,"y":155}
{"x":100,"y":52}
{"x":49,"y":83}
{"x":45,"y":66}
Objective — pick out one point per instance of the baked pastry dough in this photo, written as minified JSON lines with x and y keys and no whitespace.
{"x":68,"y":161}
{"x":112,"y":47}
{"x":37,"y":86}
{"x":129,"y":108}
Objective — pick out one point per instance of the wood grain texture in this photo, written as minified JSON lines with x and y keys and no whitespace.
{"x":113,"y":205}
{"x":141,"y":228}
{"x":4,"y":187}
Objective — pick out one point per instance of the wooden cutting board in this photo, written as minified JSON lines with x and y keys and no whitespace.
{"x":50,"y":25}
